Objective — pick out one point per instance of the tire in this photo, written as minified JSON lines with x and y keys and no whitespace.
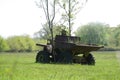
{"x":90,"y":59}
{"x":42,"y":57}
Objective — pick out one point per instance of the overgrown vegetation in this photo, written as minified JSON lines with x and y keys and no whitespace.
{"x":23,"y":67}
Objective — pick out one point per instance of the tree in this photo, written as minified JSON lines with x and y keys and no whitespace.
{"x":3,"y":45}
{"x":95,"y":33}
{"x":44,"y":33}
{"x":47,"y":6}
{"x":115,"y":35}
{"x":70,"y":9}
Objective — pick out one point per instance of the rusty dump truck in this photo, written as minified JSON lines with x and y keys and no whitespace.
{"x":66,"y":49}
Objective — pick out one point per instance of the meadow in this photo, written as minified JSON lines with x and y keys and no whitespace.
{"x":22,"y":66}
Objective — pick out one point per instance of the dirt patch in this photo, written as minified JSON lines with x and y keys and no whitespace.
{"x":118,"y":55}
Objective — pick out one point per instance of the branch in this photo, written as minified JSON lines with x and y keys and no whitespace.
{"x":48,"y":16}
{"x":63,"y":7}
{"x":53,"y":11}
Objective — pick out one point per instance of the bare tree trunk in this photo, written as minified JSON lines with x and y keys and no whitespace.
{"x":69,"y":17}
{"x":50,"y":24}
{"x":52,"y":30}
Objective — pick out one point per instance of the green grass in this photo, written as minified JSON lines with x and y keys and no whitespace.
{"x":20,"y":66}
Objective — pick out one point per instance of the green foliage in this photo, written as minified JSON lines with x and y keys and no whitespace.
{"x":23,"y":67}
{"x":21,"y":43}
{"x":100,"y":33}
{"x":116,"y":36}
{"x":44,"y":33}
{"x":95,"y":33}
{"x":3,"y":45}
{"x":58,"y":29}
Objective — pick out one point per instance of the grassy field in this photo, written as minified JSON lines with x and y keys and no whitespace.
{"x":20,"y":66}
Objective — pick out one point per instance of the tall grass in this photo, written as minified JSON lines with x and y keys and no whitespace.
{"x":21,"y":66}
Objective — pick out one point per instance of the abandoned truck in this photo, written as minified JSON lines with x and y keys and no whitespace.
{"x":66,"y":49}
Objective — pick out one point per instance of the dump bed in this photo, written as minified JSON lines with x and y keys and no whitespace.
{"x":82,"y":48}
{"x":77,"y":48}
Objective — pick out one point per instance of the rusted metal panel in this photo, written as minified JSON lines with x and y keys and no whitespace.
{"x":82,"y":49}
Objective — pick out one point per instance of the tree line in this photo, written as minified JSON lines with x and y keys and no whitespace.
{"x":18,"y":44}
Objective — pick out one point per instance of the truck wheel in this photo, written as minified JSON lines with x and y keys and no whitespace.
{"x":90,"y":59}
{"x":42,"y":57}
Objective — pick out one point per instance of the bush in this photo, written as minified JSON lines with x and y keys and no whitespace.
{"x":21,"y":43}
{"x":3,"y":45}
